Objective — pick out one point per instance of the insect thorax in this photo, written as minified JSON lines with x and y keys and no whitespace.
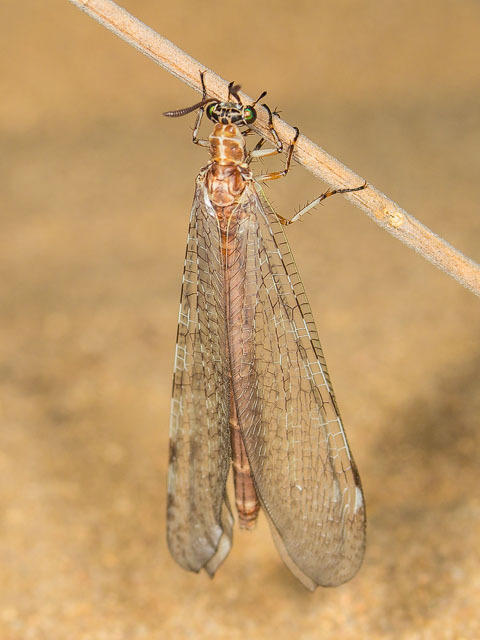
{"x":225,"y":184}
{"x":227,"y":145}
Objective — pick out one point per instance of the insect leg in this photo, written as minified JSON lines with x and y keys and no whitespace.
{"x":278,"y":174}
{"x":317,"y":201}
{"x":233,"y":90}
{"x":195,"y":139}
{"x":257,"y":151}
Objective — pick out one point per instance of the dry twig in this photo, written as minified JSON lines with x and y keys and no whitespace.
{"x":376,"y":205}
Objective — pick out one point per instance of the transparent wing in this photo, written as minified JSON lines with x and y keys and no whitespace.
{"x":304,"y":473}
{"x":199,"y":520}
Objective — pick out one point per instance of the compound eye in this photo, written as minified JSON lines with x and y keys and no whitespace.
{"x":249,"y":115}
{"x":211,"y":111}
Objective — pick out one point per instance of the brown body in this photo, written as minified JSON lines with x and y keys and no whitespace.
{"x":227,"y":175}
{"x":251,"y":387}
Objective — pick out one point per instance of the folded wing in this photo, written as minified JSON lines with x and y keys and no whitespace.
{"x":199,"y":520}
{"x":304,"y":473}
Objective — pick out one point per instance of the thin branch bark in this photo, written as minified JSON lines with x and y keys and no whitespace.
{"x":376,"y":205}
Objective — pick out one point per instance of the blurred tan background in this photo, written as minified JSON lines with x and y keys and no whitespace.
{"x":95,"y":195}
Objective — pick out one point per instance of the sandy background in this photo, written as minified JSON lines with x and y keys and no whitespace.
{"x":95,"y":193}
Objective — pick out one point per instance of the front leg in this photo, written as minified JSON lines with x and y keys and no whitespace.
{"x":257,"y":151}
{"x":198,"y":121}
{"x":280,"y":174}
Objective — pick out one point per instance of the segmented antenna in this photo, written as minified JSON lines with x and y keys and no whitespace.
{"x":186,"y":110}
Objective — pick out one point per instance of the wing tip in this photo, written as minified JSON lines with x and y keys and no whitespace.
{"x":345,"y":568}
{"x":222,"y":551}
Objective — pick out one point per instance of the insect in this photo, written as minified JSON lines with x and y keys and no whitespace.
{"x":251,"y":388}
